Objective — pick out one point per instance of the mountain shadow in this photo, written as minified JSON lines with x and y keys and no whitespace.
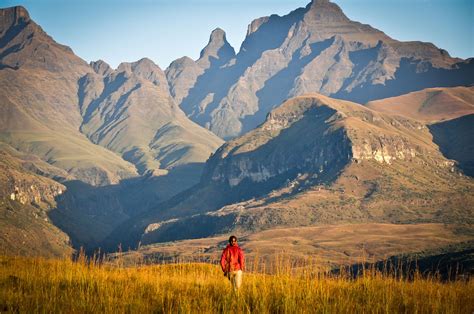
{"x":89,"y":214}
{"x":454,"y":138}
{"x":408,"y":78}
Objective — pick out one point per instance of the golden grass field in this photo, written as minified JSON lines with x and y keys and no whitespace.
{"x":30,"y":285}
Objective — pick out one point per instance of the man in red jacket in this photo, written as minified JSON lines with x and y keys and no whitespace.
{"x":233,"y":262}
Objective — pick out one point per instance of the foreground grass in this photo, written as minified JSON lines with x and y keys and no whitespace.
{"x":40,"y":285}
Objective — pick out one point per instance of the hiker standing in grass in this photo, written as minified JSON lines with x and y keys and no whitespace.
{"x":232,"y":262}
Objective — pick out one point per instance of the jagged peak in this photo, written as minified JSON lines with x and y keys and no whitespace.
{"x":255,"y":24}
{"x":18,"y":13}
{"x":144,"y":64}
{"x":218,"y":34}
{"x":324,"y":11}
{"x":180,"y":63}
{"x":101,"y":67}
{"x":218,"y":46}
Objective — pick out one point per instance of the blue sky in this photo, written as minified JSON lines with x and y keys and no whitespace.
{"x":164,"y":30}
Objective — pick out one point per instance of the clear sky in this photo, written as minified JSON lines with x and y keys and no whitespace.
{"x":164,"y":30}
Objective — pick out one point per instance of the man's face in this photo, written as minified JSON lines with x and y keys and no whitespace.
{"x":233,"y":242}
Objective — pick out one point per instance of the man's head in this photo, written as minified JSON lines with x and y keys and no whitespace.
{"x":233,"y":240}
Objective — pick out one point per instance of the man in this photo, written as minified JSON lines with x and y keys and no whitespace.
{"x":233,"y":262}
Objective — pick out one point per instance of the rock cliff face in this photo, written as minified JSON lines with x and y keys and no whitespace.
{"x":183,"y":74}
{"x":312,"y":49}
{"x":318,"y":149}
{"x":315,"y":135}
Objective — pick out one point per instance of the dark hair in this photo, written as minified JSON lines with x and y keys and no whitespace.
{"x":231,"y":238}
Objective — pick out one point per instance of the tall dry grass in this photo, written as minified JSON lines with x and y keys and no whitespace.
{"x":31,"y":285}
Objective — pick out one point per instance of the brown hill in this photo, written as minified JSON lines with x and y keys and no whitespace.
{"x":429,"y":105}
{"x":448,"y":112}
{"x":326,"y":247}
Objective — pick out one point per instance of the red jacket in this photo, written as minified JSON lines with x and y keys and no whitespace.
{"x":232,"y":258}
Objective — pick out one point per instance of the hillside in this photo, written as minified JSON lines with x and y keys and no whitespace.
{"x":429,"y":105}
{"x":448,"y":112}
{"x":25,"y":200}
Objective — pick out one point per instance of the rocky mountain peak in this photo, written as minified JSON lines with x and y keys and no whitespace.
{"x":217,"y":48}
{"x":101,"y":67}
{"x":145,"y":69}
{"x":255,"y":24}
{"x":324,"y":11}
{"x":13,"y":16}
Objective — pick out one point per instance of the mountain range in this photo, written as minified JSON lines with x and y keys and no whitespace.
{"x":329,"y":124}
{"x":312,"y":49}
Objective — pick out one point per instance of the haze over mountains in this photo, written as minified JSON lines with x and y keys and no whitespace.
{"x":328,"y":121}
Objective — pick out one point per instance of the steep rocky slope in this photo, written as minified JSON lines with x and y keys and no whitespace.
{"x":312,"y":49}
{"x":130,"y":111}
{"x":318,"y":160}
{"x":454,"y":138}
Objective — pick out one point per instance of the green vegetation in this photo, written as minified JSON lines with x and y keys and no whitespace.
{"x":40,"y":285}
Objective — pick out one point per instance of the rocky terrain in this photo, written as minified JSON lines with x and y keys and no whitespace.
{"x":312,"y":49}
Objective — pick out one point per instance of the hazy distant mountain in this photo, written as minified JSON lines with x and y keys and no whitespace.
{"x":312,"y":49}
{"x":317,"y":160}
{"x":49,"y":95}
{"x":130,"y":111}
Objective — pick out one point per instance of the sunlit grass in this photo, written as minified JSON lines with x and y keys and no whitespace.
{"x":51,"y":285}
